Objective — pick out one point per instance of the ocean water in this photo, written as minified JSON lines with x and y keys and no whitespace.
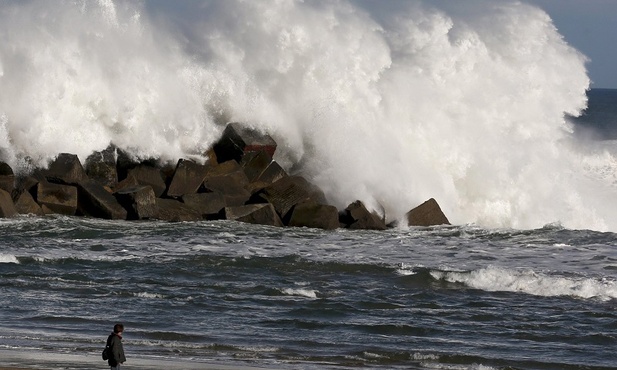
{"x":455,"y":297}
{"x":480,"y":104}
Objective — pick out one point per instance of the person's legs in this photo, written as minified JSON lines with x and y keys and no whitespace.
{"x":117,"y":367}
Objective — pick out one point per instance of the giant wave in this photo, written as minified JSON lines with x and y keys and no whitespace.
{"x":390,"y":103}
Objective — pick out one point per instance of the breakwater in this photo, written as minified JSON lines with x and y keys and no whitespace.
{"x":239,"y":181}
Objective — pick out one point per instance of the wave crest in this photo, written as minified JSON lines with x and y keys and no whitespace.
{"x":464,"y":103}
{"x":530,"y":282}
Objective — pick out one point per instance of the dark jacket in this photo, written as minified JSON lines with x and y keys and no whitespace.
{"x":116,"y":351}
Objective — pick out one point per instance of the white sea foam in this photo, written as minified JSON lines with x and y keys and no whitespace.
{"x":424,"y":356}
{"x":149,"y":295}
{"x":431,"y":365}
{"x":373,"y":355}
{"x":530,"y":282}
{"x":430,"y":361}
{"x":407,"y":269}
{"x":8,"y":258}
{"x":308,"y":293}
{"x":405,"y":272}
{"x":464,"y":103}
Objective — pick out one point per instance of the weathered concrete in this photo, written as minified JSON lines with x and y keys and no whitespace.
{"x":229,"y":179}
{"x":229,"y":169}
{"x":357,"y":216}
{"x":7,"y":208}
{"x":234,"y":192}
{"x":57,"y":198}
{"x":167,"y":173}
{"x":46,"y":210}
{"x":29,"y":184}
{"x":246,"y":175}
{"x":95,"y":201}
{"x":7,"y":178}
{"x":210,"y":157}
{"x":128,"y":182}
{"x":124,"y":163}
{"x":262,"y":214}
{"x":271,"y":174}
{"x":66,"y":169}
{"x":254,"y":164}
{"x":187,"y":178}
{"x":139,"y":201}
{"x":25,"y":204}
{"x":209,"y":205}
{"x":101,"y":166}
{"x":173,"y":210}
{"x":427,"y":214}
{"x":238,"y":139}
{"x":286,"y":193}
{"x":148,"y":175}
{"x":314,"y":215}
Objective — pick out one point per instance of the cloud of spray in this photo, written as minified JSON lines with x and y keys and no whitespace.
{"x":388,"y":103}
{"x":79,"y":75}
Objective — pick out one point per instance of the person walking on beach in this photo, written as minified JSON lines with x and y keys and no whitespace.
{"x":116,"y":350}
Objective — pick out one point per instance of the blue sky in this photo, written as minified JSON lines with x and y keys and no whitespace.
{"x":591,"y":27}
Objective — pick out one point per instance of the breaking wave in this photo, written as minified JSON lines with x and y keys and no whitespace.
{"x":8,"y":258}
{"x":497,"y":279}
{"x":461,"y":102}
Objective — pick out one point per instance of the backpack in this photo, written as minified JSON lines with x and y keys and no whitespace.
{"x":107,"y":351}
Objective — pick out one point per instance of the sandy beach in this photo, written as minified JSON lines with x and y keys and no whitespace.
{"x":24,"y":360}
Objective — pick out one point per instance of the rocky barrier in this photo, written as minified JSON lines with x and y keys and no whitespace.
{"x":240,"y":181}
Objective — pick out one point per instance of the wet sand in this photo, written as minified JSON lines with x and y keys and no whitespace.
{"x":28,"y":360}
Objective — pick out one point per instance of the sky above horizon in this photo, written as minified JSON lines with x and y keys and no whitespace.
{"x":591,"y":27}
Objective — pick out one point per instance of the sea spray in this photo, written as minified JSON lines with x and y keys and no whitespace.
{"x":389,"y":104}
{"x":81,"y":75}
